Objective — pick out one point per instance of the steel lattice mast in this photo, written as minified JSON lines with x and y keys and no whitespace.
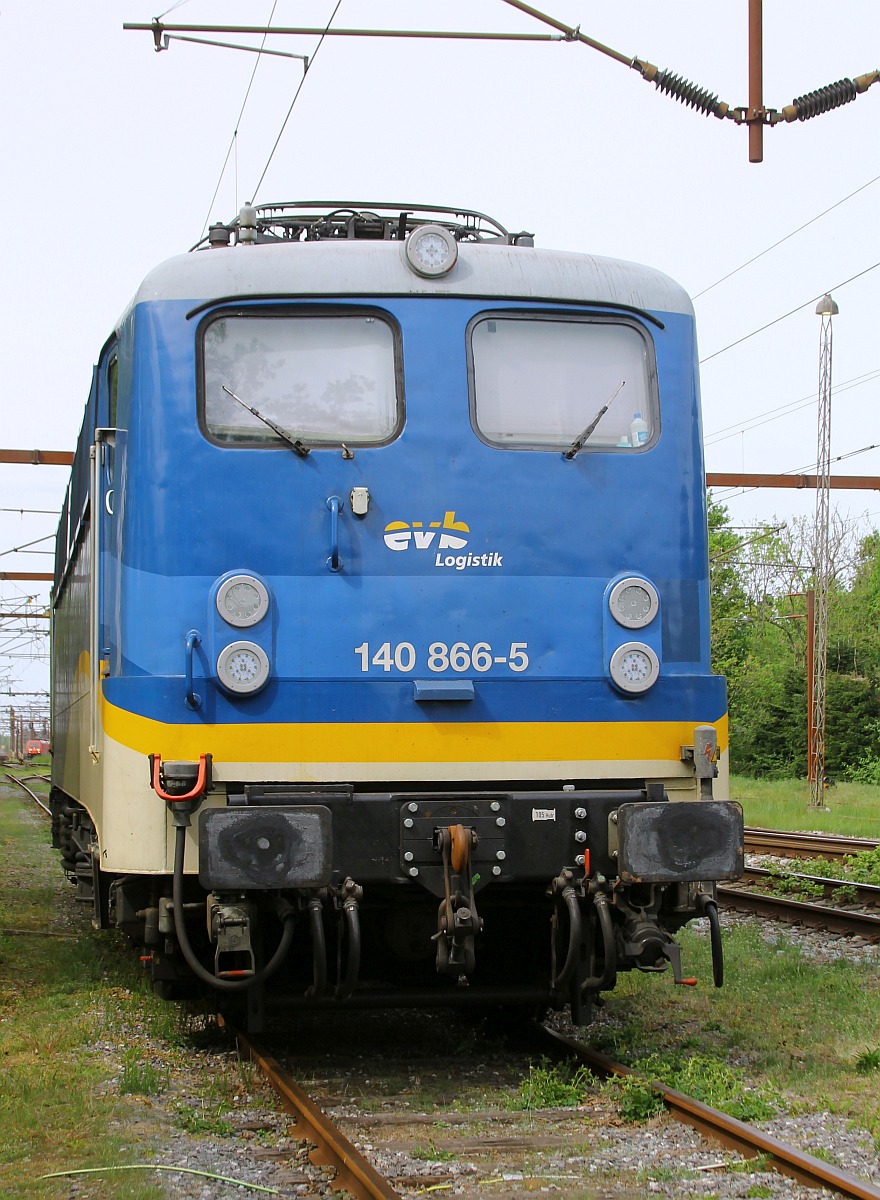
{"x":826,"y":309}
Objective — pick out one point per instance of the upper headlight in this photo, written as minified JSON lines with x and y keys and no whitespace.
{"x":634,"y":602}
{"x":242,"y":600}
{"x":431,"y":250}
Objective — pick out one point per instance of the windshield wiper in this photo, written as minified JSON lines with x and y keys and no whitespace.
{"x":297,"y":446}
{"x":581,"y":440}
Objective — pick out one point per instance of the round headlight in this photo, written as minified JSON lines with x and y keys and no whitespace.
{"x":243,"y":667}
{"x":634,"y":602}
{"x":634,"y":667}
{"x":242,"y":600}
{"x":431,"y":250}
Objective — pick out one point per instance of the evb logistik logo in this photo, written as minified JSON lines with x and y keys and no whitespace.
{"x":437,"y":537}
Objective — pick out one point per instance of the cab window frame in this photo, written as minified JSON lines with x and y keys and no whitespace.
{"x":616,"y":320}
{"x":300,"y":312}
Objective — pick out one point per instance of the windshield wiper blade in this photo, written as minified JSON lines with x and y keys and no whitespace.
{"x":580,"y":441}
{"x":297,"y":446}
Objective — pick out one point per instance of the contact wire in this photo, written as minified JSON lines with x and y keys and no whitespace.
{"x":295,"y":98}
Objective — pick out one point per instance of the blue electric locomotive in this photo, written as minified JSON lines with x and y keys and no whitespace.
{"x":381,"y":631}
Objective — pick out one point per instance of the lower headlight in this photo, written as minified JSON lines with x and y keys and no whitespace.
{"x":634,"y":667}
{"x":243,"y":667}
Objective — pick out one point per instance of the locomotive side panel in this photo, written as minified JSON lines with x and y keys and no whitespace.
{"x":70,"y":675}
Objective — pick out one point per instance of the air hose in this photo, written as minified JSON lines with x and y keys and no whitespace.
{"x":319,"y":950}
{"x":608,"y":978}
{"x":709,"y":907}
{"x":353,"y":962}
{"x":570,"y":899}
{"x":223,"y":985}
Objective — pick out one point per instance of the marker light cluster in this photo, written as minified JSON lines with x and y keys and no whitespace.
{"x":634,"y":603}
{"x":242,"y":667}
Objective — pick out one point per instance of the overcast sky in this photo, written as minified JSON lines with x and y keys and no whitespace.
{"x":112,"y":153}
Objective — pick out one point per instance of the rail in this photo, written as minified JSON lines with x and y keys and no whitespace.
{"x":865,"y":894}
{"x":731,"y":1132}
{"x":331,"y":1147}
{"x":33,"y":795}
{"x":799,"y":912}
{"x":786,"y":844}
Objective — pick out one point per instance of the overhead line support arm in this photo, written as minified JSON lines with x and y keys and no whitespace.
{"x":856,"y":483}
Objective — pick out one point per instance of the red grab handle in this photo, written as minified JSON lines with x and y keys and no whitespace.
{"x":197,"y":790}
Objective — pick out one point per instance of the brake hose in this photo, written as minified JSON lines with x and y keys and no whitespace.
{"x":224,"y":985}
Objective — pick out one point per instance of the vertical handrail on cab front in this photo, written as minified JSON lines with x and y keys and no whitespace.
{"x":334,"y":562}
{"x":192,"y":698}
{"x":94,"y":599}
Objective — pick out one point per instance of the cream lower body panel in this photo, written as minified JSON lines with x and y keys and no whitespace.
{"x":135,"y":830}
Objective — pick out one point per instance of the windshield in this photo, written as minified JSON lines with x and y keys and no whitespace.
{"x":539,"y":383}
{"x":326,"y":379}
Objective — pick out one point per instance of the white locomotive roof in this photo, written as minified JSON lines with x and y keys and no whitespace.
{"x":376,"y":268}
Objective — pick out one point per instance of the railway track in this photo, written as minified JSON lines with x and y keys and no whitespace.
{"x":847,"y":921}
{"x":33,"y":795}
{"x":735,"y":1134}
{"x":784,"y":844}
{"x":865,"y":894}
{"x":331,"y":1147}
{"x":355,"y":1173}
{"x":799,"y":912}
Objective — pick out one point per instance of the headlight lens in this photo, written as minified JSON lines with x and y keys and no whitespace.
{"x":242,"y":600}
{"x":634,"y":602}
{"x":243,"y":667}
{"x":634,"y":667}
{"x":431,"y":250}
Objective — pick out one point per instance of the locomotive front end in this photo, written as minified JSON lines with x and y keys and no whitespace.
{"x":398,"y":633}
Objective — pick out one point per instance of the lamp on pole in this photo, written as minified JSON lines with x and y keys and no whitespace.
{"x":826,"y":309}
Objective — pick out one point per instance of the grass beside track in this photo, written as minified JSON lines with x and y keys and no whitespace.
{"x":850,"y":809}
{"x":807,"y":1031}
{"x":58,"y":998}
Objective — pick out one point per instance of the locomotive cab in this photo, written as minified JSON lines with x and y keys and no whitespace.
{"x":380,"y":650}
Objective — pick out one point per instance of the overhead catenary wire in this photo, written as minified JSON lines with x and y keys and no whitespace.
{"x":26,"y":546}
{"x":761,"y":536}
{"x":295,"y":98}
{"x":176,"y":37}
{"x":46,"y":512}
{"x":790,"y":313}
{"x":799,"y":229}
{"x":234,"y":137}
{"x":803,"y":108}
{"x":784,"y":410}
{"x":177,"y":4}
{"x":172,"y":32}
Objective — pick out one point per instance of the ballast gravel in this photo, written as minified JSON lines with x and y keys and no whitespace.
{"x":586,"y":1153}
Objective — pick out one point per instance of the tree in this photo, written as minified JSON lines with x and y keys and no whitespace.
{"x":759,"y":640}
